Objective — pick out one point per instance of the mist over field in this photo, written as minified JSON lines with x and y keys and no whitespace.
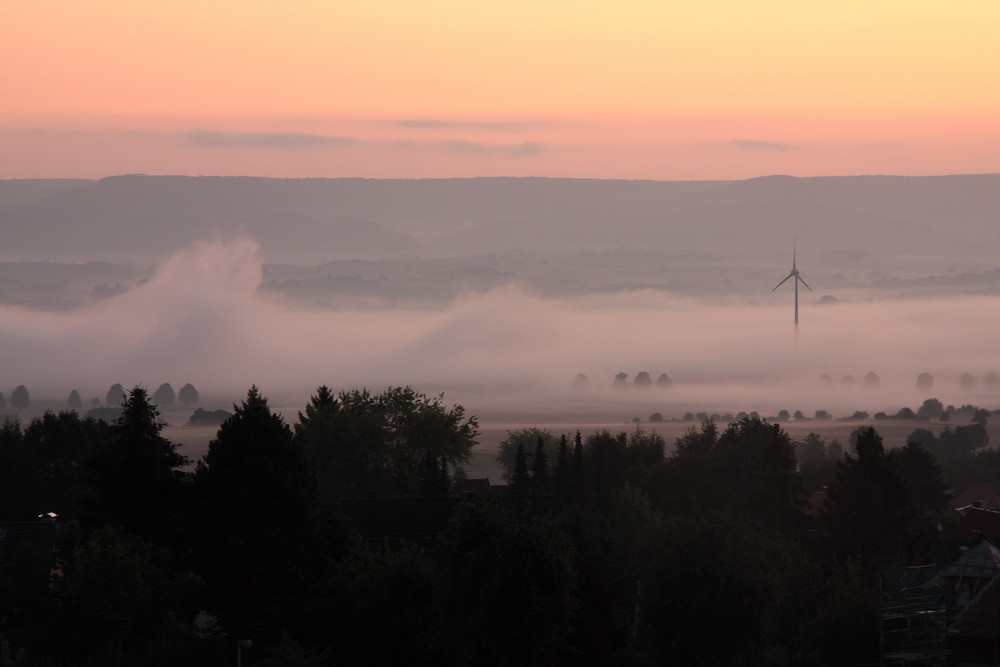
{"x":201,"y":317}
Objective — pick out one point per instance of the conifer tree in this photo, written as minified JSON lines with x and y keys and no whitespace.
{"x":563,"y":472}
{"x":540,"y":466}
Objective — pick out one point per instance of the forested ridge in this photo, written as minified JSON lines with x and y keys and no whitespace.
{"x":601,"y":549}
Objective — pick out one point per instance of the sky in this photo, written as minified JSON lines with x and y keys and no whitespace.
{"x":649,"y":89}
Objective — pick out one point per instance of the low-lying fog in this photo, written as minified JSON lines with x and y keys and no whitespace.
{"x":201,"y":319}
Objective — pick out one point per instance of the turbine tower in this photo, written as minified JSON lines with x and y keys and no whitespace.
{"x":798,"y":279}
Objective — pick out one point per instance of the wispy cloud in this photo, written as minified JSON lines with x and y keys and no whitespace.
{"x":439,"y":124}
{"x":278,"y":140}
{"x":525,"y":149}
{"x":755,"y":145}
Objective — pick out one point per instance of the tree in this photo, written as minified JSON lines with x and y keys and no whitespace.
{"x":521,"y":479}
{"x":868,"y":508}
{"x":784,"y":415}
{"x":581,"y":382}
{"x":563,"y":473}
{"x":698,"y":443}
{"x":74,"y":402}
{"x":3,"y":401}
{"x":871,"y":381}
{"x":19,"y":398}
{"x":364,"y":444}
{"x":759,"y":460}
{"x":140,"y":472}
{"x":642,"y":380}
{"x":188,"y":395}
{"x":256,"y":498}
{"x":621,"y":380}
{"x":507,"y":449}
{"x":928,"y":489}
{"x":925,"y":381}
{"x":505,"y":591}
{"x":813,"y":450}
{"x":164,"y":395}
{"x":967,"y":381}
{"x":539,"y":466}
{"x":116,"y":394}
{"x":932,"y":408}
{"x":664,"y":381}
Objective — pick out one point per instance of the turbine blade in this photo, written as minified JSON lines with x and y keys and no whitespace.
{"x":783,"y":281}
{"x":804,"y":283}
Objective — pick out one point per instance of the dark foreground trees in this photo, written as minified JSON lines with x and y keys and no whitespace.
{"x":623,"y":556}
{"x":363,"y":444}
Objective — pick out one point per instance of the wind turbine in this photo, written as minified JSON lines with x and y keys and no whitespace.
{"x":798,"y":279}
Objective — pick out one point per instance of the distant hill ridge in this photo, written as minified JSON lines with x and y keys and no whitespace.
{"x":137,"y":218}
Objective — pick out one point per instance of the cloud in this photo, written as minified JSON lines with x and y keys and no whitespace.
{"x":276,"y":140}
{"x":755,"y":145}
{"x":462,"y":147}
{"x":495,"y":126}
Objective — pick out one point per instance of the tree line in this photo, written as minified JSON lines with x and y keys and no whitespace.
{"x":601,"y":549}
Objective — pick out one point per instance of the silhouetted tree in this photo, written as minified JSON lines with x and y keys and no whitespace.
{"x":577,"y":467}
{"x":928,"y":489}
{"x":3,"y":401}
{"x":377,"y":444}
{"x":967,"y":381}
{"x":19,"y":398}
{"x":188,"y":395}
{"x":539,"y":466}
{"x":664,"y":381}
{"x":992,"y":380}
{"x":656,"y":417}
{"x":925,"y":381}
{"x":784,"y":415}
{"x":932,"y":408}
{"x":822,"y":415}
{"x":847,"y":381}
{"x":581,"y":381}
{"x":521,"y":478}
{"x":74,"y":402}
{"x":505,"y":592}
{"x":813,"y":449}
{"x":868,"y":507}
{"x":698,"y":442}
{"x":563,"y":473}
{"x":116,"y":394}
{"x":164,"y":395}
{"x":140,"y":472}
{"x":621,"y":380}
{"x":642,"y":380}
{"x":256,"y":500}
{"x":507,"y":449}
{"x":871,"y":381}
{"x":825,"y":380}
{"x":759,"y":460}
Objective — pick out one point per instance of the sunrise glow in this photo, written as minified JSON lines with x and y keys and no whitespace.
{"x":639,"y":89}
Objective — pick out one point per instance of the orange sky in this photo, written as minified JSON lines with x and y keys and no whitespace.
{"x":634,"y":89}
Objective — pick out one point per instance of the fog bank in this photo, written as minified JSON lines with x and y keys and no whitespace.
{"x":201,"y":319}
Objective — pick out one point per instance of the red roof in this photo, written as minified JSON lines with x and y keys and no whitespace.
{"x":975,"y":519}
{"x":988,"y":495}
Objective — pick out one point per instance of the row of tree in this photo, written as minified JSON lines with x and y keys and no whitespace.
{"x":164,"y":396}
{"x":602,"y":550}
